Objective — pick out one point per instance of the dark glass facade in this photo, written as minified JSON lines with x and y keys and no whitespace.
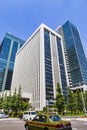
{"x":75,"y":54}
{"x":62,"y":68}
{"x":8,"y":49}
{"x":48,"y":67}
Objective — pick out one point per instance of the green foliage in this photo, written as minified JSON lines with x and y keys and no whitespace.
{"x":14,"y":104}
{"x":70,"y":101}
{"x":79,"y":101}
{"x":1,"y":101}
{"x":45,"y":109}
{"x":59,"y":100}
{"x":74,"y":102}
{"x":85,"y":98}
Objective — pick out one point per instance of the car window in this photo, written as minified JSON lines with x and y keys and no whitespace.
{"x":42,"y":118}
{"x":55,"y":118}
{"x":25,"y":112}
{"x":1,"y":113}
{"x":33,"y":113}
{"x":36,"y":118}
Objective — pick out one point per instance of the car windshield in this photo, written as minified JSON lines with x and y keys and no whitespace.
{"x":1,"y":113}
{"x":33,"y":113}
{"x":55,"y":118}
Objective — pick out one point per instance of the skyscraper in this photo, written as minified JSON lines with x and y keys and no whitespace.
{"x":74,"y":54}
{"x":8,"y":49}
{"x":39,"y":66}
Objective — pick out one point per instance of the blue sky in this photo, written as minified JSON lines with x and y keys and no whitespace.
{"x":22,"y":17}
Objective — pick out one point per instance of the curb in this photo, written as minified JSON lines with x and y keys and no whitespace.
{"x":78,"y":119}
{"x":9,"y":119}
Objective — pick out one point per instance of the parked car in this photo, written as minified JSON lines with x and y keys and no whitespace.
{"x":29,"y":115}
{"x":2,"y":115}
{"x":47,"y":122}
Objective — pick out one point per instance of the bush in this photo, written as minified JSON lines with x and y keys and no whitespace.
{"x":20,"y":114}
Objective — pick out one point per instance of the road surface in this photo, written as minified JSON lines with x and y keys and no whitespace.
{"x":12,"y":124}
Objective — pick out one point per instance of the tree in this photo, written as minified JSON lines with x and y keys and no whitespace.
{"x":70,"y":100}
{"x":14,"y":104}
{"x":17,"y":103}
{"x":19,"y":100}
{"x":59,"y":99}
{"x":1,"y":101}
{"x":85,"y":98}
{"x":5,"y":103}
{"x":79,"y":101}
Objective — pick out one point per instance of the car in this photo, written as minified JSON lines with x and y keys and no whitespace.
{"x":2,"y":115}
{"x":47,"y":122}
{"x":29,"y":115}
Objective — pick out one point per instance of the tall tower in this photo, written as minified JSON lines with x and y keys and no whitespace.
{"x":8,"y":49}
{"x":74,"y":54}
{"x":39,"y":66}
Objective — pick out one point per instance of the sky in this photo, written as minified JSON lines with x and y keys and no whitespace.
{"x":22,"y":17}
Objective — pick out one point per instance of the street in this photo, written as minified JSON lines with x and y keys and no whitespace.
{"x":12,"y":125}
{"x":19,"y":125}
{"x":79,"y":125}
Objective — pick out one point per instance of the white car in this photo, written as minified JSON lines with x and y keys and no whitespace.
{"x":29,"y":115}
{"x":2,"y":115}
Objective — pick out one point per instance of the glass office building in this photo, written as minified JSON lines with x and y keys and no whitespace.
{"x":62,"y":67}
{"x":74,"y":54}
{"x":48,"y":66}
{"x":39,"y":66}
{"x":8,"y":49}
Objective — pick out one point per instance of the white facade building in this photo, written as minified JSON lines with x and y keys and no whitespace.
{"x":39,"y":66}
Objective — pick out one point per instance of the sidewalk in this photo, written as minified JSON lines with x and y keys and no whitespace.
{"x":63,"y":118}
{"x":75,"y":118}
{"x":8,"y":119}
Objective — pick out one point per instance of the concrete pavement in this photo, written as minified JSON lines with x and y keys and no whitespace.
{"x":75,"y":118}
{"x":9,"y":119}
{"x":64,"y":118}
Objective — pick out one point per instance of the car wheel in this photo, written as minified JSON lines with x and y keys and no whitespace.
{"x":27,"y":127}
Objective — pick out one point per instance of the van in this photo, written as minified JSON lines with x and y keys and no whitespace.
{"x":2,"y":115}
{"x":29,"y":115}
